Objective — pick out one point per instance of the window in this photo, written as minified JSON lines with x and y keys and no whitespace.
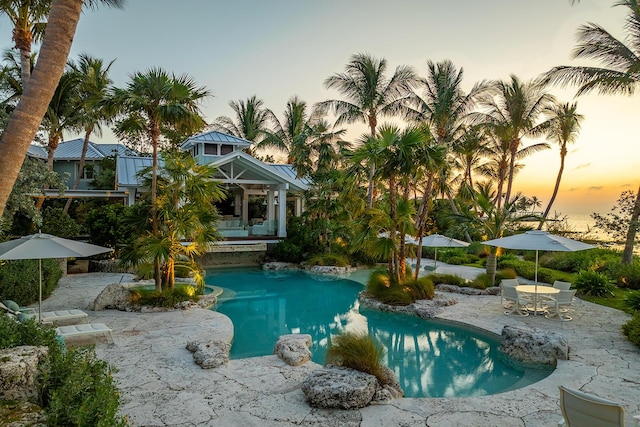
{"x":211,"y":149}
{"x":225,"y":149}
{"x":88,"y":172}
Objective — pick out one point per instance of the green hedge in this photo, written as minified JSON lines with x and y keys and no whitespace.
{"x":632,"y":329}
{"x":19,"y":280}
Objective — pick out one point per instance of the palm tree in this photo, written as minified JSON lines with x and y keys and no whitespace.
{"x":186,"y":209}
{"x":152,"y":100}
{"x":28,"y":20}
{"x":27,"y":116}
{"x":11,"y":78}
{"x":564,"y":125}
{"x":291,"y":133}
{"x":251,"y":120}
{"x":62,"y":113}
{"x":93,"y":87}
{"x":369,"y":94}
{"x":619,"y":74}
{"x":514,"y":109}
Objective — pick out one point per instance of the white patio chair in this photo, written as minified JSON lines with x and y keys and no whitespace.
{"x":503,"y":284}
{"x":559,"y":303}
{"x":585,"y":410}
{"x":520,"y":301}
{"x":563,"y":286}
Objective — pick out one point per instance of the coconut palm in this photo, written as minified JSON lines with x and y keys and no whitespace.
{"x":27,"y":116}
{"x":513,"y":110}
{"x":369,"y":94}
{"x":564,"y":126}
{"x":93,"y":86}
{"x":619,"y":73}
{"x":290,"y":134}
{"x":152,"y":100}
{"x":11,"y":78}
{"x":29,"y":22}
{"x":251,"y":120}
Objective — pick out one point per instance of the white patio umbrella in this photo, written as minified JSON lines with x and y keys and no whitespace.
{"x":439,"y":241}
{"x":536,"y":240}
{"x":45,"y":246}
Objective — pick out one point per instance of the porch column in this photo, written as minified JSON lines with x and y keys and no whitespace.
{"x":270,"y":207}
{"x":245,"y":207}
{"x":282,"y":210}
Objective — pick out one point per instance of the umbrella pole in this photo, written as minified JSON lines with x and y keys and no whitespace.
{"x":40,"y":292}
{"x":535,"y":311}
{"x":435,"y":260}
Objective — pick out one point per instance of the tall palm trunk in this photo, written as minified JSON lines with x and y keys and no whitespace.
{"x":492,"y":265}
{"x":372,"y":166}
{"x":421,"y":219}
{"x":563,"y":154}
{"x":627,"y":254}
{"x":83,"y":155}
{"x":395,"y":273}
{"x":155,"y":137}
{"x":26,"y":118}
{"x":513,"y":148}
{"x":23,"y":40}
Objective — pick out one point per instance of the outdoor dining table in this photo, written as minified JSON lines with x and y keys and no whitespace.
{"x":536,"y":290}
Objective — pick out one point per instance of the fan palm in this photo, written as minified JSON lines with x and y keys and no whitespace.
{"x":369,"y":94}
{"x":251,"y":120}
{"x":619,"y":74}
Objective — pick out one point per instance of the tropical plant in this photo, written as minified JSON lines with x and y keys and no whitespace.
{"x":251,"y":120}
{"x":369,"y":94}
{"x":632,"y":329}
{"x":619,"y":73}
{"x":152,"y":100}
{"x":563,"y":127}
{"x":592,"y":283}
{"x":357,"y":351}
{"x":186,"y":219}
{"x":622,"y":222}
{"x":25,"y":119}
{"x":92,"y":89}
{"x":513,"y":112}
{"x":632,"y":301}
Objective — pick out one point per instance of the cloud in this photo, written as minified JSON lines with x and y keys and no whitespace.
{"x":626,"y":185}
{"x":595,"y":188}
{"x":574,"y":189}
{"x":582,"y":166}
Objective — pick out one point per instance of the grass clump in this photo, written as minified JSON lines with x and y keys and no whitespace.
{"x":167,"y":298}
{"x":357,"y":351}
{"x":389,"y":292}
{"x":447,"y":279}
{"x":329,"y":259}
{"x":632,"y":301}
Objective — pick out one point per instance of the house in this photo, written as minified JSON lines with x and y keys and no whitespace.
{"x":260,"y":194}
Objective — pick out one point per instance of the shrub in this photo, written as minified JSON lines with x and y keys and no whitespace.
{"x":287,"y":251}
{"x":632,"y":301}
{"x":506,"y":273}
{"x":329,"y":259}
{"x":20,"y":279}
{"x":384,"y":290}
{"x":78,"y":389}
{"x":592,"y":283}
{"x":632,"y":329}
{"x":527,"y":269}
{"x":56,"y":221}
{"x":357,"y":351}
{"x":574,"y":262}
{"x":108,"y":227}
{"x":624,"y":275}
{"x":457,"y":256}
{"x":167,"y":298}
{"x":482,"y":281}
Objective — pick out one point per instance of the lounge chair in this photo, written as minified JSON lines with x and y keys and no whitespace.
{"x":504,"y":283}
{"x":57,"y":316}
{"x":559,"y":303}
{"x":563,"y":286}
{"x":585,"y":410}
{"x":84,"y":330}
{"x":520,"y":301}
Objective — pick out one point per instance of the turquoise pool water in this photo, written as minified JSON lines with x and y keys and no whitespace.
{"x":430,"y":358}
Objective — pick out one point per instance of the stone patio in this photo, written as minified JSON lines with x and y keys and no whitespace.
{"x":162,"y":386}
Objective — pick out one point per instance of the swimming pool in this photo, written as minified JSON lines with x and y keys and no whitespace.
{"x":430,"y":358}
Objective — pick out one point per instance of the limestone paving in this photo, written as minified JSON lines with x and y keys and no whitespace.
{"x":162,"y":386}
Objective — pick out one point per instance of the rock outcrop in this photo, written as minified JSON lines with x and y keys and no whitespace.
{"x":533,"y":346}
{"x":19,"y":372}
{"x":425,"y":309}
{"x":114,"y":296}
{"x":209,"y":354}
{"x":293,"y":349}
{"x":336,"y":387}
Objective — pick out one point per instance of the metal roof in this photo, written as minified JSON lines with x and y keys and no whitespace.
{"x":127,"y":168}
{"x":289,"y":171}
{"x":37,"y":151}
{"x":214,"y":136}
{"x":72,"y":150}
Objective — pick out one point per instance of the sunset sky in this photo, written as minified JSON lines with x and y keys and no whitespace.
{"x":280,"y":48}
